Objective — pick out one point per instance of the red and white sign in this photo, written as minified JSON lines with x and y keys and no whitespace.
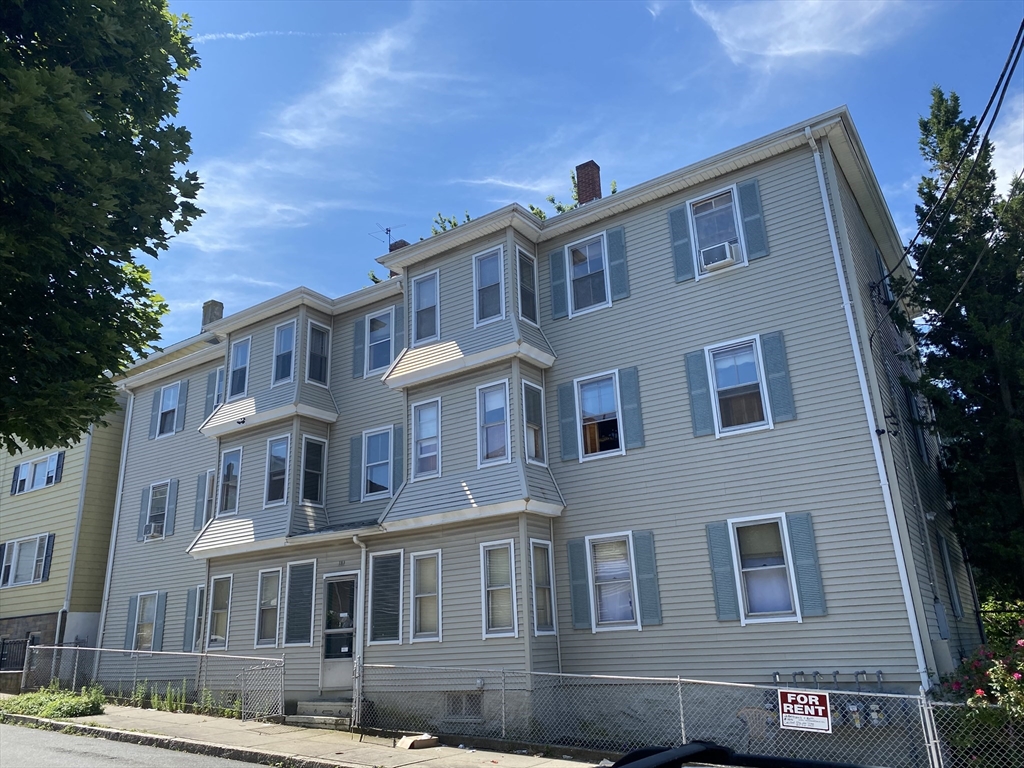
{"x":805,"y":711}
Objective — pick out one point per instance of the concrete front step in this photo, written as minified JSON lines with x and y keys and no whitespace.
{"x":316,"y":721}
{"x":325,"y":708}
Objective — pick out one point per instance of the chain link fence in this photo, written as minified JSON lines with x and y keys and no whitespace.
{"x":986,"y":737}
{"x":233,"y":686}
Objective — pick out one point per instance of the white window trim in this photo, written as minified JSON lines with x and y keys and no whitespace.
{"x":138,"y":607}
{"x":312,"y":606}
{"x":413,"y":475}
{"x":367,"y":433}
{"x":413,"y":342}
{"x":544,"y":543}
{"x":287,"y":472}
{"x":480,"y":463}
{"x":477,"y":322}
{"x":220,"y":483}
{"x":736,"y":522}
{"x":614,"y":373}
{"x":401,"y":597}
{"x":543,"y":423}
{"x":768,"y":422}
{"x":221,"y":380}
{"x":273,"y":361}
{"x":695,"y":246}
{"x":536,"y":292}
{"x":160,"y":411}
{"x":211,"y":474}
{"x":10,"y":558}
{"x":228,"y":397}
{"x":31,"y":464}
{"x":367,"y":370}
{"x":309,"y":338}
{"x":413,"y":557}
{"x":196,"y":618}
{"x":955,"y":601}
{"x":149,"y":510}
{"x":511,"y":544}
{"x":259,"y":598}
{"x":568,"y":275}
{"x":323,"y":471}
{"x":209,"y":611}
{"x":594,"y":626}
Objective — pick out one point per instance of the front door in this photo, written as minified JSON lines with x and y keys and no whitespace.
{"x":339,"y":632}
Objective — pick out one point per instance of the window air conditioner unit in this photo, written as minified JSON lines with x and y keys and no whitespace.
{"x":154,"y":530}
{"x":719,"y":256}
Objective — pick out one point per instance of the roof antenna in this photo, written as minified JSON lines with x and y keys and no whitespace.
{"x":382,"y":230}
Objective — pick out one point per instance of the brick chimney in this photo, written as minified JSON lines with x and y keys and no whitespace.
{"x":396,"y":245}
{"x":588,"y":182}
{"x":213,"y":311}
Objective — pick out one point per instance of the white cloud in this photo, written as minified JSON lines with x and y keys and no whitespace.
{"x":655,"y":8}
{"x":1008,"y":138}
{"x":252,"y":35}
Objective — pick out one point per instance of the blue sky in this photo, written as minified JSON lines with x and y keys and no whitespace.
{"x":314,"y":122}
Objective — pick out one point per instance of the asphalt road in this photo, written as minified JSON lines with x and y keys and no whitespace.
{"x":32,"y":748}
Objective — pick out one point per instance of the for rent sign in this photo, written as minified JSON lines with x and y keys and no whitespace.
{"x":805,"y":711}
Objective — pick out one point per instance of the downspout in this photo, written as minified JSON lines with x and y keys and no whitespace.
{"x":74,"y":542}
{"x":357,"y":693}
{"x":890,"y":512}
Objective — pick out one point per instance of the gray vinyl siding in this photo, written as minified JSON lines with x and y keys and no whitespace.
{"x":306,"y":517}
{"x":530,"y":334}
{"x":310,"y":393}
{"x":544,"y":648}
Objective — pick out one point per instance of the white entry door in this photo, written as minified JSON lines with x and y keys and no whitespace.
{"x":339,"y":632}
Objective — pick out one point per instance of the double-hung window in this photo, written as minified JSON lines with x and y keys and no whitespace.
{"x":716,"y":232}
{"x":488,"y":270}
{"x":425,"y":600}
{"x":527,"y":287}
{"x":218,"y":387}
{"x":380,"y":334}
{"x":210,"y":499}
{"x":230,"y":473}
{"x":738,"y":386}
{"x":23,"y":561}
{"x":498,"y":589}
{"x":318,"y":354}
{"x":32,"y":475}
{"x":533,"y":416}
{"x":386,"y":577}
{"x":426,"y":425}
{"x":492,"y":423}
{"x":612,"y":581}
{"x":145,"y":621}
{"x":277,"y":471}
{"x":377,"y":463}
{"x":198,"y":620}
{"x":761,"y":549}
{"x":313,"y":454}
{"x":168,"y":409}
{"x":220,"y":612}
{"x":543,"y":588}
{"x":157,"y":515}
{"x":425,"y":325}
{"x":588,"y":275}
{"x":268,"y":602}
{"x":284,"y":352}
{"x":600,"y":416}
{"x":239,"y":379}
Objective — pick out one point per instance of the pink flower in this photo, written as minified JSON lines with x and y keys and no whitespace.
{"x":956,"y":685}
{"x":979,"y":692}
{"x":1017,"y":676}
{"x":1020,"y":643}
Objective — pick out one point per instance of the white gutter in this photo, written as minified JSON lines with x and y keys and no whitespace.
{"x":890,"y":512}
{"x":358,"y":692}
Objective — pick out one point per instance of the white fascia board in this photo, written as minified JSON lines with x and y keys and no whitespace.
{"x":470,"y":514}
{"x":239,"y":549}
{"x":448,"y":368}
{"x":265,"y":417}
{"x":213,"y":351}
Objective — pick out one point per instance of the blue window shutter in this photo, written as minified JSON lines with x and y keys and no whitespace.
{"x":579,"y":583}
{"x":190,"y":620}
{"x":14,"y":480}
{"x":682,"y":251}
{"x":397,"y":455}
{"x":805,"y":564}
{"x":143,"y":514}
{"x":46,"y":558}
{"x":618,"y":272}
{"x":58,"y":473}
{"x":776,"y":368}
{"x":647,"y":578}
{"x":158,"y":622}
{"x":567,"y":421}
{"x":298,"y":613}
{"x":723,"y":575}
{"x":211,"y":395}
{"x":154,"y":415}
{"x":199,"y":516}
{"x":753,"y":221}
{"x":940,"y":619}
{"x":172,"y":507}
{"x":179,"y":413}
{"x":3,"y":547}
{"x":559,"y":296}
{"x":359,"y":348}
{"x":701,"y":412}
{"x":355,"y":469}
{"x":129,"y":630}
{"x":632,"y":418}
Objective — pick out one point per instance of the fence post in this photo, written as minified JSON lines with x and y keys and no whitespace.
{"x":357,"y":692}
{"x":280,"y":704}
{"x":243,"y":695}
{"x":679,"y":693}
{"x":74,"y":673}
{"x":24,"y":666}
{"x":503,"y":702}
{"x":135,"y":675}
{"x":930,"y":732}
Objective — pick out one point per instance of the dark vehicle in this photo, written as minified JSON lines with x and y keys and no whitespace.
{"x":706,"y":753}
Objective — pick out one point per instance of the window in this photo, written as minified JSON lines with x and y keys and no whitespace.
{"x":277,"y":471}
{"x":598,"y":404}
{"x":39,"y":473}
{"x":760,"y":548}
{"x":738,"y":386}
{"x":376,"y":464}
{"x":168,"y":409}
{"x":145,"y":621}
{"x":386,"y":597}
{"x":24,"y":561}
{"x":284,"y":352}
{"x":230,"y":472}
{"x":218,"y":392}
{"x":716,"y":232}
{"x":464,"y":706}
{"x":885,"y":288}
{"x":220,"y":610}
{"x":425,"y":601}
{"x":612,"y":581}
{"x":499,"y":591}
{"x":210,"y":504}
{"x":313,"y":453}
{"x":588,"y":275}
{"x":379,"y":339}
{"x":239,"y":368}
{"x":425,"y":325}
{"x":492,"y":423}
{"x":490,"y":283}
{"x":319,"y":351}
{"x":267,"y":601}
{"x":914,"y":416}
{"x":533,"y":414}
{"x":527,"y":287}
{"x":198,"y":620}
{"x":426,"y":424}
{"x":298,"y":618}
{"x":543,"y":591}
{"x":951,"y":586}
{"x":157,"y":514}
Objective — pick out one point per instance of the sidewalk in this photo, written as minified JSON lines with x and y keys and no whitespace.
{"x":269,"y":743}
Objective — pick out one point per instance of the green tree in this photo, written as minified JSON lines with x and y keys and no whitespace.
{"x":89,"y":180}
{"x":443,"y":223}
{"x":969,"y":290}
{"x":561,"y":207}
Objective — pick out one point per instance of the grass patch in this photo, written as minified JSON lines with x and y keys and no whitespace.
{"x":56,"y":702}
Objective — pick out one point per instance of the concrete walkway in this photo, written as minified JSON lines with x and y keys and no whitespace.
{"x":270,"y":744}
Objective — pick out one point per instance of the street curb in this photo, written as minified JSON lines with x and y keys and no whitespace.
{"x":242,"y":754}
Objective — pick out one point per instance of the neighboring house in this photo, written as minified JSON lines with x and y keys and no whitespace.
{"x":54,"y":532}
{"x":656,"y":435}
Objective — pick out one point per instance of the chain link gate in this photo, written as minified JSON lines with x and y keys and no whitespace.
{"x":263,"y":690}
